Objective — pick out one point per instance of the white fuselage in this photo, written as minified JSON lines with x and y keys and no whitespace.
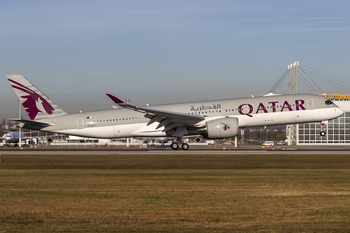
{"x":251,"y":112}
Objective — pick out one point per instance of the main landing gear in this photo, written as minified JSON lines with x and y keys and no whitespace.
{"x":177,"y":145}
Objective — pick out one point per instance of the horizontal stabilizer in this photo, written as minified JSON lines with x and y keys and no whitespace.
{"x":28,"y":124}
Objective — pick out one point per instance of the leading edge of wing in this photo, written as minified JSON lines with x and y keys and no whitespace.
{"x":153,"y":112}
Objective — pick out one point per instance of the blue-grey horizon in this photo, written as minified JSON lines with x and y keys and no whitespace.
{"x":166,"y":51}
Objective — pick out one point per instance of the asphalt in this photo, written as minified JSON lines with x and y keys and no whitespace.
{"x":210,"y":149}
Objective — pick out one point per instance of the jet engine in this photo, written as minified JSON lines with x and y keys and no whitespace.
{"x":31,"y":142}
{"x":223,"y":128}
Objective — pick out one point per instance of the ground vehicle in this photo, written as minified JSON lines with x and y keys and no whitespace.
{"x":268,"y":143}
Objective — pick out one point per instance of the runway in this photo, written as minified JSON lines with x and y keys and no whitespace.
{"x":317,"y":150}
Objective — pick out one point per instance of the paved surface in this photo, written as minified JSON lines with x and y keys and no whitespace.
{"x":220,"y":149}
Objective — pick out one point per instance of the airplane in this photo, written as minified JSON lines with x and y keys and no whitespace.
{"x":212,"y":119}
{"x":12,"y":137}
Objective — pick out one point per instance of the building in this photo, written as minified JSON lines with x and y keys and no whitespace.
{"x":337,"y":130}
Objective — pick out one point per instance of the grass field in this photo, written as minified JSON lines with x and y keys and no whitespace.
{"x":175,"y":193}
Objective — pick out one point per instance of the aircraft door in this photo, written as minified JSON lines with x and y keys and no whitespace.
{"x":80,"y":123}
{"x":310,"y":104}
{"x":116,"y":130}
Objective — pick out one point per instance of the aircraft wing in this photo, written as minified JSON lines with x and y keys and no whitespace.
{"x":174,"y":123}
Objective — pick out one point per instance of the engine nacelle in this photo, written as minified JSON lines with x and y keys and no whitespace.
{"x":31,"y":142}
{"x":49,"y":140}
{"x":223,"y":128}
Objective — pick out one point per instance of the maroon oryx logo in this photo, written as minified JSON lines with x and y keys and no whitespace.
{"x":34,"y":103}
{"x":226,"y":127}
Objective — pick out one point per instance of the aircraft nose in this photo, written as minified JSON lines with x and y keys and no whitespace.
{"x":339,"y":111}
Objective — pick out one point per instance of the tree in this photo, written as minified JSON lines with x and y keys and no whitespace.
{"x":279,"y":135}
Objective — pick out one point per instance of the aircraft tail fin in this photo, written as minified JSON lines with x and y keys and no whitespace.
{"x":36,"y":103}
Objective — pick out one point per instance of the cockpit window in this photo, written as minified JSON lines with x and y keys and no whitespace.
{"x":328,"y":102}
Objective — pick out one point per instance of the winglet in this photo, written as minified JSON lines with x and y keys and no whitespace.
{"x":115,"y":99}
{"x":124,"y":105}
{"x":120,"y":102}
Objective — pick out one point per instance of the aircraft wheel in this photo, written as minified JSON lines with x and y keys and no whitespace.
{"x":174,"y":146}
{"x":185,"y":146}
{"x":323,"y":133}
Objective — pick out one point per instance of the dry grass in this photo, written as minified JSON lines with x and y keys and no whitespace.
{"x":175,"y":193}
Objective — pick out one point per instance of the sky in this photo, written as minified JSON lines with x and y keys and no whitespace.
{"x":166,"y":51}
